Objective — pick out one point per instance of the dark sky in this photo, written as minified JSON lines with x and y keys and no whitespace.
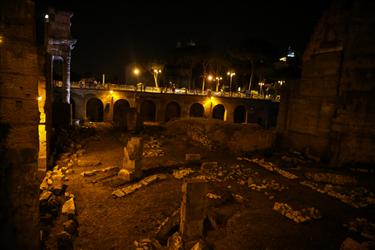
{"x":112,"y":33}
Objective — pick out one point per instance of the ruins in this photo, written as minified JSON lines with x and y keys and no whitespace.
{"x":117,"y":168}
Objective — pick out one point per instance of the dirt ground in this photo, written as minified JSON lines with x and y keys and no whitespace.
{"x":251,"y":223}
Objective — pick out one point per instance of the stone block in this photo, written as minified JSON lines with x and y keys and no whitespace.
{"x":127,"y":175}
{"x":207,"y":167}
{"x":69,"y":207}
{"x":192,"y":158}
{"x":193,"y":209}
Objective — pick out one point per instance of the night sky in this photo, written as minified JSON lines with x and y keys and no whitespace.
{"x":113,"y":33}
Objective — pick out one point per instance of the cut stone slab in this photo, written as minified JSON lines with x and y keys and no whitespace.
{"x":118,"y":193}
{"x":192,"y":158}
{"x":69,"y":207}
{"x":209,"y":166}
{"x":126,"y":175}
{"x":181,"y":173}
{"x":44,"y":196}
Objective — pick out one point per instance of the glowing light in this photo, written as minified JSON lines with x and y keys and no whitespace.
{"x":210,"y":77}
{"x":136,"y":71}
{"x":1,"y":39}
{"x":111,"y":92}
{"x":239,"y":89}
{"x":231,"y":73}
{"x":283,"y":59}
{"x":39,"y":98}
{"x":281,"y":82}
{"x":46,"y":16}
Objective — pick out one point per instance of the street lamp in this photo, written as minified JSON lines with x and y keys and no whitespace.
{"x":230,"y":74}
{"x":261,"y":84}
{"x":218,"y":78}
{"x":156,"y":73}
{"x":136,"y":71}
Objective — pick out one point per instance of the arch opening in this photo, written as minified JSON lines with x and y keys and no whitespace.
{"x":172,"y":111}
{"x":94,"y":110}
{"x":196,"y":110}
{"x":218,"y":112}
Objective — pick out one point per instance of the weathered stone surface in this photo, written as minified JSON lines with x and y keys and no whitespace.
{"x":181,"y":173}
{"x":69,"y":207}
{"x":200,"y":245}
{"x":175,"y":242}
{"x":44,"y":196}
{"x":64,"y":241}
{"x":192,"y":158}
{"x":132,"y":158}
{"x":336,"y":179}
{"x":350,"y":244}
{"x":165,"y":228}
{"x":126,"y":175}
{"x":193,"y":209}
{"x":118,"y":193}
{"x":209,"y":166}
{"x":328,"y":110}
{"x":70,"y":226}
{"x":298,"y":216}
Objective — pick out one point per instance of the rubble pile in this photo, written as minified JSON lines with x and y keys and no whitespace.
{"x":181,"y":173}
{"x":270,"y":167}
{"x":152,"y":148}
{"x":336,"y":179}
{"x":147,"y":244}
{"x":298,"y":216}
{"x":265,"y":184}
{"x":215,"y":172}
{"x":54,"y":201}
{"x":363,"y":227}
{"x":198,"y":134}
{"x":357,"y":197}
{"x":121,"y":192}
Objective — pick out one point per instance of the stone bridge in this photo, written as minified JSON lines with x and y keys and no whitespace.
{"x":111,"y":105}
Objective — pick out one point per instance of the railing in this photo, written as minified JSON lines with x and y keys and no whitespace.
{"x":147,"y":89}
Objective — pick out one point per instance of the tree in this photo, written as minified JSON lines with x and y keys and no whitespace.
{"x":255,"y":53}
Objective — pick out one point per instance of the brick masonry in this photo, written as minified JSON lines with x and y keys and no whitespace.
{"x":331,"y":110}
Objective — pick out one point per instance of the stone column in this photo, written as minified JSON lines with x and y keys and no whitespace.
{"x":193,"y":210}
{"x":66,"y":78}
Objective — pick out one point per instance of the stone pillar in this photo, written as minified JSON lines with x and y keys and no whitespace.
{"x":132,"y":161}
{"x":193,"y":210}
{"x":66,"y":78}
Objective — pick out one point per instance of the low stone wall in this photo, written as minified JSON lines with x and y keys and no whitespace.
{"x":215,"y":133}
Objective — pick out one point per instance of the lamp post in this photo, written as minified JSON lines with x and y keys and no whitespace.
{"x":230,"y":74}
{"x":261,"y":87}
{"x":218,"y":78}
{"x":156,"y":73}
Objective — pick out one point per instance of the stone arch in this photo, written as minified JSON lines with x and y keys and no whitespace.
{"x":196,"y":110}
{"x":148,"y":110}
{"x":172,"y":111}
{"x":239,"y":115}
{"x":218,"y":112}
{"x":94,"y":110}
{"x":120,"y":110}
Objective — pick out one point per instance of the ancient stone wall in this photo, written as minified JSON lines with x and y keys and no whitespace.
{"x":330,"y":112}
{"x":19,"y":75}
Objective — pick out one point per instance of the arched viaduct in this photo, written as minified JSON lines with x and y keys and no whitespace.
{"x":106,"y":105}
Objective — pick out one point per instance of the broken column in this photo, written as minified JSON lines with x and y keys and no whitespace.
{"x":193,"y":211}
{"x":131,"y":165}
